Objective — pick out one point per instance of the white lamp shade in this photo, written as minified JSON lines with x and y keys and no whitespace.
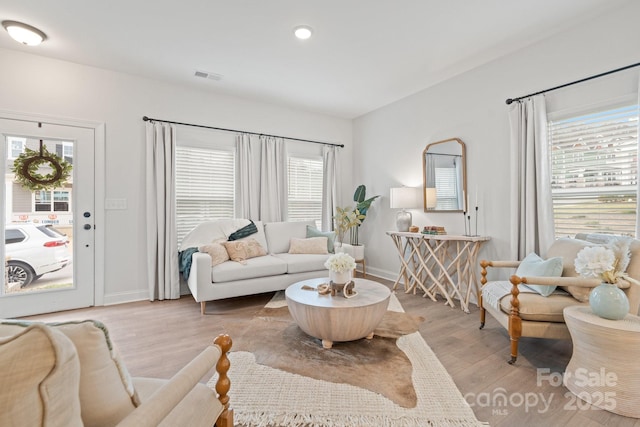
{"x":431,"y":198}
{"x":405,"y":198}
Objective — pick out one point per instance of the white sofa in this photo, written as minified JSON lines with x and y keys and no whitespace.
{"x":274,"y":271}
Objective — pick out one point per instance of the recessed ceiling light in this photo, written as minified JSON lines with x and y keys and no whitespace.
{"x":303,"y":32}
{"x":23,"y":33}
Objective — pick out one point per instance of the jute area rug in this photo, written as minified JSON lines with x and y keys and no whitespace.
{"x":282,"y":377}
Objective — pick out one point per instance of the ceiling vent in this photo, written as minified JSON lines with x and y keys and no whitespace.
{"x":207,"y":75}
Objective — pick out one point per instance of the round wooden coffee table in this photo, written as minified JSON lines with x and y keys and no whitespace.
{"x":335,"y":319}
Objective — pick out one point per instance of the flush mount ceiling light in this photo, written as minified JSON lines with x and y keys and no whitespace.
{"x":23,"y":33}
{"x":303,"y":32}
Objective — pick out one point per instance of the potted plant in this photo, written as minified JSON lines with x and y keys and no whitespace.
{"x":350,"y":219}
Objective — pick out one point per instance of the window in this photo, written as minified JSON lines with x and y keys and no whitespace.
{"x":594,"y":172}
{"x":446,"y":188}
{"x":305,"y":190}
{"x":16,"y":146}
{"x":65,"y":150}
{"x":51,"y":201}
{"x":205,"y":183}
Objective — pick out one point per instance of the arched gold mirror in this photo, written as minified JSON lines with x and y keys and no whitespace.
{"x":444,"y":176}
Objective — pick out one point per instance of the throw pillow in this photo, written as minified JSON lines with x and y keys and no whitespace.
{"x":216,"y":251}
{"x":533,"y":265}
{"x":330,"y":235}
{"x":311,"y":245}
{"x":245,"y":231}
{"x":568,"y":249}
{"x":40,"y":378}
{"x":241,"y":250}
{"x":106,"y":388}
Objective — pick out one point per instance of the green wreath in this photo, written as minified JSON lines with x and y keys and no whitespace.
{"x":27,"y":164}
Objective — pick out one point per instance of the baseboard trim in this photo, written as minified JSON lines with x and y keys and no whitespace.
{"x":124,"y":297}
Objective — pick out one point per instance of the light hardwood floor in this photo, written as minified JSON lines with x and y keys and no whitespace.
{"x":157,"y":339}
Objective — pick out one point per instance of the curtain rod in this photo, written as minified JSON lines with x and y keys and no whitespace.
{"x":510,"y":100}
{"x":149,"y":119}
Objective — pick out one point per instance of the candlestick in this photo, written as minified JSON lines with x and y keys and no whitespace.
{"x":476,"y":233}
{"x":464,"y":219}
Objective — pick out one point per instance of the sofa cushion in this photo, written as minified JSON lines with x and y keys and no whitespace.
{"x":312,"y":231}
{"x":310,"y":245}
{"x":242,"y":250}
{"x":40,"y":378}
{"x":533,"y":265}
{"x":302,"y":263}
{"x":279,"y":234}
{"x":107,"y":394}
{"x":535,"y":307}
{"x":255,"y":267}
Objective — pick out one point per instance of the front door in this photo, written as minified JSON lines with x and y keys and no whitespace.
{"x":49,"y":232}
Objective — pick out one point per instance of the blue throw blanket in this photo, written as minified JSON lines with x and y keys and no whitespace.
{"x":184,"y":261}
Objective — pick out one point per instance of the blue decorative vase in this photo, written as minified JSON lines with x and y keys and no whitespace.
{"x":609,"y":301}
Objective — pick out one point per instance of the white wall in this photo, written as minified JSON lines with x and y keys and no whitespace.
{"x":37,"y":85}
{"x":388,"y":143}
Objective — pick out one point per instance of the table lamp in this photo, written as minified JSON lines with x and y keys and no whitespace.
{"x":404,"y":198}
{"x":431,"y":200}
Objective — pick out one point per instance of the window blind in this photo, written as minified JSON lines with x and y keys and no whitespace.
{"x":205,"y":183}
{"x":446,"y":188}
{"x":305,"y":190}
{"x":594,"y":172}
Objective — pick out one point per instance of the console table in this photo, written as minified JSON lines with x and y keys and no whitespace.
{"x":438,"y":264}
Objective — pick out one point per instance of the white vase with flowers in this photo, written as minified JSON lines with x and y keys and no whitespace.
{"x":340,"y":266}
{"x":608,"y":264}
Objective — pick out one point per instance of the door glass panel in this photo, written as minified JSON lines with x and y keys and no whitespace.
{"x":38,"y":224}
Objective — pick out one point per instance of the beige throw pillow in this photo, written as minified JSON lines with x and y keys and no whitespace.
{"x":311,"y":245}
{"x":216,"y":251}
{"x":241,"y":250}
{"x":40,"y":378}
{"x":106,"y":393}
{"x":567,"y":249}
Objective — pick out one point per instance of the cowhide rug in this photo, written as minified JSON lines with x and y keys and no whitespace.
{"x":377,"y":364}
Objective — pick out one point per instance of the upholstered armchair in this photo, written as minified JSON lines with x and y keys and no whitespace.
{"x":69,"y":374}
{"x":520,"y":307}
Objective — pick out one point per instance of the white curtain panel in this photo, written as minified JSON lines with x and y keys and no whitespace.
{"x":532,"y":225}
{"x":248,"y":176}
{"x":162,"y":241}
{"x":273,"y":179}
{"x":638,"y":168}
{"x":329,"y":185}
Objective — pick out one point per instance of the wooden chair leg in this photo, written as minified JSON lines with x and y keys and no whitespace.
{"x":514,"y":350}
{"x":483,"y":312}
{"x":203,"y":307}
{"x":224,"y":384}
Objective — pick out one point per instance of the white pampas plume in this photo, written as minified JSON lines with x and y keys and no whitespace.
{"x":620,"y":248}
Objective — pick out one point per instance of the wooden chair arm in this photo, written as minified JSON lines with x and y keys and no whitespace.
{"x":499,"y":264}
{"x":581,"y":282}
